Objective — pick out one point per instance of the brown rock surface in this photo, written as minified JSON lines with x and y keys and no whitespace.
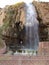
{"x":13,"y":18}
{"x":13,"y":22}
{"x":43,"y":17}
{"x":1,"y":16}
{"x":43,"y":11}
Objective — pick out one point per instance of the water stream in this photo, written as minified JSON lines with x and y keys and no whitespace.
{"x":31,"y":28}
{"x":31,"y":40}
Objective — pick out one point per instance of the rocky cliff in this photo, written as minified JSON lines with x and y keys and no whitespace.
{"x":12,"y":19}
{"x":42,"y":9}
{"x":14,"y":13}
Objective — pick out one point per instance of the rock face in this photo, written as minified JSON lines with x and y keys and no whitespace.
{"x":43,"y":11}
{"x":12,"y":19}
{"x":43,"y":17}
{"x":1,"y":16}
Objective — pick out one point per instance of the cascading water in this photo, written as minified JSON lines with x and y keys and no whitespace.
{"x":31,"y":28}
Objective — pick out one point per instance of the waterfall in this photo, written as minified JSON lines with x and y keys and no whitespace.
{"x":31,"y":40}
{"x":31,"y":28}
